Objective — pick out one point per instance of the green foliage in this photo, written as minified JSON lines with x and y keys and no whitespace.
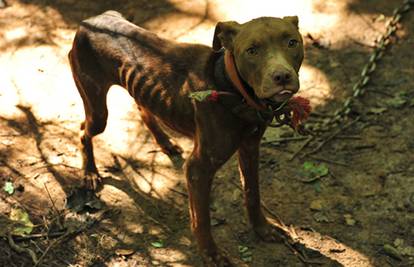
{"x":398,"y":101}
{"x":157,"y":244}
{"x":9,"y":188}
{"x":314,"y":170}
{"x":245,"y":254}
{"x":23,"y":224}
{"x":201,"y":95}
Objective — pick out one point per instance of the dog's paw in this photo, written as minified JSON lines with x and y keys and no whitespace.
{"x":92,"y":180}
{"x":269,"y":232}
{"x":217,"y":259}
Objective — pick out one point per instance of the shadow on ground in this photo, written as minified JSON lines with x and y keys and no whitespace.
{"x":369,"y":186}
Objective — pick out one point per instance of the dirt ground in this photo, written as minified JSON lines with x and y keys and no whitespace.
{"x":361,"y":213}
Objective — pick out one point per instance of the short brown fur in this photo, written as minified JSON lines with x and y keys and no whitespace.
{"x":159,"y":74}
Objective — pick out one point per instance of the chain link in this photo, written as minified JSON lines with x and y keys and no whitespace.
{"x":359,"y":87}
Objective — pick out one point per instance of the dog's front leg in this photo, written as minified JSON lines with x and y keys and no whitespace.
{"x":200,"y":172}
{"x":249,"y":173}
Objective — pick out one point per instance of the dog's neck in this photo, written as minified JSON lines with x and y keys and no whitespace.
{"x":227,"y":78}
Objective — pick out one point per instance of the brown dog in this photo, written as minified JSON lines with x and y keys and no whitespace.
{"x":250,"y":65}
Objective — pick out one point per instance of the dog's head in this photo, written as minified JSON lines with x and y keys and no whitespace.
{"x":268,"y":53}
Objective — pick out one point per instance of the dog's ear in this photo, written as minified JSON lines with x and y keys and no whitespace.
{"x":292,"y":19}
{"x":224,"y":35}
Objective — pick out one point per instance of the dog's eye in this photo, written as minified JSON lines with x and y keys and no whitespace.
{"x":252,"y":50}
{"x":292,"y":43}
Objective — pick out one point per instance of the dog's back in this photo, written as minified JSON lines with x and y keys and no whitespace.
{"x":158,"y":73}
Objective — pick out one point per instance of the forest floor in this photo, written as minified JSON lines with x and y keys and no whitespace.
{"x":357,"y":211}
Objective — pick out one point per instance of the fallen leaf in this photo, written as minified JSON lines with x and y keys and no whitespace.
{"x":398,"y":101}
{"x":24,"y":226}
{"x":392,"y":252}
{"x":316,"y":205}
{"x":408,"y":251}
{"x":313,"y":171}
{"x":157,"y":244}
{"x":321,"y":217}
{"x":124,"y":252}
{"x":200,"y":95}
{"x":398,"y":242}
{"x":377,"y":111}
{"x":349,"y":220}
{"x":9,"y":188}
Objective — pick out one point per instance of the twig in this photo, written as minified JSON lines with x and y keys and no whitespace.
{"x":379,"y":92}
{"x":54,"y":243}
{"x":54,"y":207}
{"x":275,"y":216}
{"x":329,"y":161}
{"x":179,"y":192}
{"x":301,"y":257}
{"x":287,"y":238}
{"x":329,"y":138}
{"x":72,"y":234}
{"x":319,"y":114}
{"x":367,"y":22}
{"x":287,"y":139}
{"x":282,"y":225}
{"x":310,"y":138}
{"x":19,"y":249}
{"x":48,"y":165}
{"x":360,"y":43}
{"x":40,"y":235}
{"x":356,"y":137}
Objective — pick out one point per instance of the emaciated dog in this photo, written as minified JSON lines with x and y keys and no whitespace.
{"x":250,"y":67}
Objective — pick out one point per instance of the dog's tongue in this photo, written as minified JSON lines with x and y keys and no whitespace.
{"x":301,"y":108}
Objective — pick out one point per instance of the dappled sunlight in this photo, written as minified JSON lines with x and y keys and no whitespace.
{"x":41,"y":112}
{"x":314,"y":85}
{"x":40,"y":77}
{"x":309,"y":18}
{"x":312,"y":18}
{"x":164,"y":255}
{"x":334,"y":249}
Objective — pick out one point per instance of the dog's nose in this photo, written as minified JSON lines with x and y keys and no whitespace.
{"x":282,"y":77}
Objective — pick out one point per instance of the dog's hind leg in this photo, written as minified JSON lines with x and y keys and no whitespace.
{"x":93,"y":90}
{"x":159,"y":135}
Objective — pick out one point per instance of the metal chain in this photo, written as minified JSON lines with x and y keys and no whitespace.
{"x":359,"y":87}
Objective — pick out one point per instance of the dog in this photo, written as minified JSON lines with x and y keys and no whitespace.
{"x":249,"y":68}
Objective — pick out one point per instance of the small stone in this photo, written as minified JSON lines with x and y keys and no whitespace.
{"x":316,"y":205}
{"x":349,"y":220}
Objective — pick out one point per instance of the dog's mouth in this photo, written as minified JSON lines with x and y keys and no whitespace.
{"x":285,"y":92}
{"x":282,"y":95}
